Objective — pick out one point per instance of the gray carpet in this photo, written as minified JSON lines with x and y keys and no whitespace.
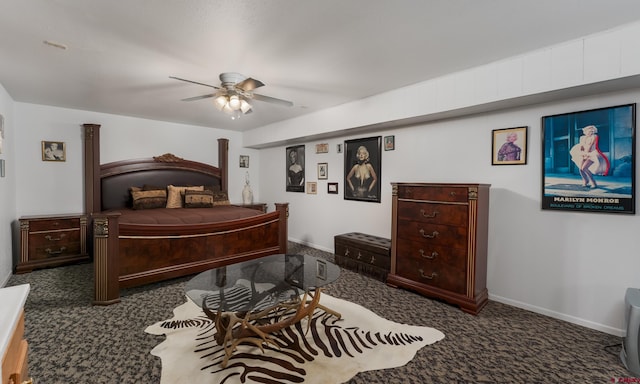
{"x":72,"y":341}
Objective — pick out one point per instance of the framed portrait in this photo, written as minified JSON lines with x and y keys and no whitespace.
{"x":312,"y":187}
{"x":588,"y":160}
{"x":244,"y":161}
{"x":54,"y":151}
{"x":363,"y":169}
{"x":339,"y":148}
{"x":332,"y":188}
{"x":509,"y":146}
{"x":389,"y":143}
{"x":323,"y":171}
{"x":295,"y":168}
{"x":322,"y":148}
{"x":321,"y":269}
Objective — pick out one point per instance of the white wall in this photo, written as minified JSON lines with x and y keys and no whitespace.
{"x":573,"y":266}
{"x":7,"y":188}
{"x":57,"y":187}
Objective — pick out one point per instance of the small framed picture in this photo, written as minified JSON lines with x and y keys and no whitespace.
{"x":323,"y":171}
{"x":332,"y":188}
{"x":509,"y":146}
{"x":321,"y":269}
{"x":322,"y":148}
{"x":312,"y":187}
{"x":244,"y":161}
{"x":339,"y":148}
{"x":389,"y":143}
{"x":54,"y":151}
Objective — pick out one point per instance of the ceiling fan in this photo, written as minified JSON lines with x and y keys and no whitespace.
{"x":234,"y":94}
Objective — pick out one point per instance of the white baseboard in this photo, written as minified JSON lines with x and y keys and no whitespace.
{"x":559,"y":316}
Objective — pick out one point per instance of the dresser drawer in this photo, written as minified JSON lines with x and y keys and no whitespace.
{"x":434,"y":234}
{"x":451,"y":214}
{"x":429,"y":253}
{"x":53,"y":224}
{"x":434,"y":193}
{"x":49,"y":250}
{"x":433,"y":273}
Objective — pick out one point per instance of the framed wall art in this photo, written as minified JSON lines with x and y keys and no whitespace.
{"x":54,"y":151}
{"x":589,"y":160}
{"x":332,"y":188}
{"x":389,"y":143}
{"x":295,"y":168}
{"x":322,"y":148}
{"x":244,"y":161}
{"x":312,"y":187}
{"x":323,"y":171}
{"x":509,"y":146}
{"x":362,"y":169}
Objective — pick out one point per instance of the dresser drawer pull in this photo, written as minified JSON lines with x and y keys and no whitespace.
{"x":430,"y":215}
{"x":427,"y":256}
{"x":359,"y":256}
{"x":50,"y":252}
{"x":346,"y":252}
{"x":373,"y":260}
{"x":48,"y":237}
{"x":433,"y":234}
{"x":452,"y":193}
{"x":431,"y":277}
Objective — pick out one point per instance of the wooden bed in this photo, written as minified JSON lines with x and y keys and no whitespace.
{"x":127,"y":254}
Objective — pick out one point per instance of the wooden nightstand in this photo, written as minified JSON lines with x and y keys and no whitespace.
{"x":48,"y":241}
{"x":257,"y":206}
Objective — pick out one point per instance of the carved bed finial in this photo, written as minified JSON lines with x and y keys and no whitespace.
{"x":168,"y":158}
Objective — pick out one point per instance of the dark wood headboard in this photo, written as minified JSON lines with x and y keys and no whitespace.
{"x":107,"y":185}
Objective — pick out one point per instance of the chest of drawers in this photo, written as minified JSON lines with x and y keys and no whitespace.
{"x":47,"y":241}
{"x":439,"y":241}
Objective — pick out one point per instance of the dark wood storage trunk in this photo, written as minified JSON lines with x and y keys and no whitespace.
{"x":365,"y":254}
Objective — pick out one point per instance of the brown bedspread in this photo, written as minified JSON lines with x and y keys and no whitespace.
{"x":178,"y":216}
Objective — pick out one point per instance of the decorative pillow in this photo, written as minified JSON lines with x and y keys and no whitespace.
{"x":198,"y":199}
{"x":175,"y":196}
{"x":221,"y":198}
{"x":149,"y":199}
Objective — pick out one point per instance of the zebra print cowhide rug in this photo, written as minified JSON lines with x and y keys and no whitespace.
{"x":330,"y":351}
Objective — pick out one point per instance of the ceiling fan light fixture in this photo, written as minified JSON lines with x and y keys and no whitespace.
{"x":220,"y":102}
{"x":234,"y":102}
{"x":245,"y":107}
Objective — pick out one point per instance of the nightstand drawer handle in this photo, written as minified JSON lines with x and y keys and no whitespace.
{"x":49,"y":251}
{"x":431,"y":277}
{"x":430,"y":215}
{"x":373,"y":260}
{"x":48,"y":237}
{"x":433,"y":234}
{"x":359,"y":256}
{"x":427,"y":256}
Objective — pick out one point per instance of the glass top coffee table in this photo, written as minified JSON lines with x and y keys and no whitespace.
{"x":252,"y":299}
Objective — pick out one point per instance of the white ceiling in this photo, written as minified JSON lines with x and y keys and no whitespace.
{"x":317,"y":54}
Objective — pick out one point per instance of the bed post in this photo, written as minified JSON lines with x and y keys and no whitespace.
{"x":92,"y":196}
{"x":223,"y":164}
{"x":283,"y":240}
{"x":105,"y":260}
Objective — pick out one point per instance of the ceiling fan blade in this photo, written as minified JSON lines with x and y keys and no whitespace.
{"x":193,"y":82}
{"x":272,"y":100}
{"x":249,"y":84}
{"x":199,"y":97}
